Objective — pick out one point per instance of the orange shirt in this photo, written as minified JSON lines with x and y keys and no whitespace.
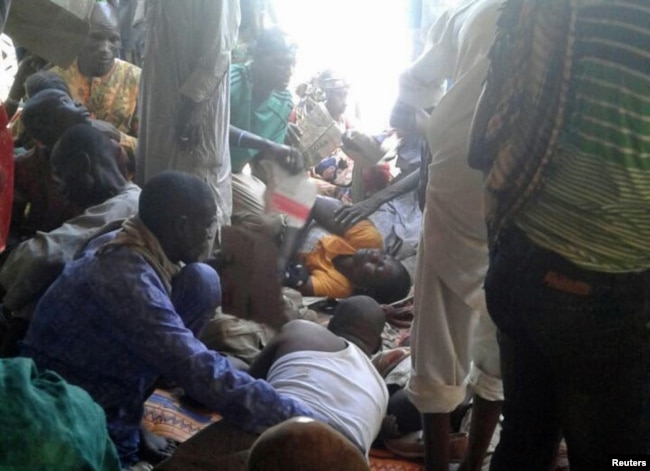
{"x":325,"y":278}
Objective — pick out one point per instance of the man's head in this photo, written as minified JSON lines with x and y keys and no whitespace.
{"x":359,"y":319}
{"x":274,"y":58}
{"x":180,"y":210}
{"x":45,"y":80}
{"x":336,"y":92}
{"x":303,"y":443}
{"x":380,"y":276}
{"x":49,"y":113}
{"x":83,"y":162}
{"x":100,"y":49}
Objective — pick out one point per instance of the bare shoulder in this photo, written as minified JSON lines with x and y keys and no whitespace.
{"x":299,"y":335}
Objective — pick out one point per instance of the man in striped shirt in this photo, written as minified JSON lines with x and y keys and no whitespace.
{"x":563,"y":135}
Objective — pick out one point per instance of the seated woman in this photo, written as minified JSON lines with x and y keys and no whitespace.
{"x":338,"y":261}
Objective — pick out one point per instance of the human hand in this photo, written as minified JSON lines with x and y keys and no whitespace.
{"x":294,"y":134}
{"x":398,"y":317}
{"x":188,"y":122}
{"x":349,"y":215}
{"x":28,"y":66}
{"x":403,"y":117}
{"x":288,"y":157}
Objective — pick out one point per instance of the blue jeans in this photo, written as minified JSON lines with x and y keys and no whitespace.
{"x":575,"y":353}
{"x":196,"y":294}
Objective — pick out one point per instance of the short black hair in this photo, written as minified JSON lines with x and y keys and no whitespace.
{"x":83,"y":138}
{"x":359,"y":319}
{"x":271,"y":41}
{"x":170,"y":195}
{"x":45,"y":80}
{"x":37,"y":118}
{"x":390,"y":290}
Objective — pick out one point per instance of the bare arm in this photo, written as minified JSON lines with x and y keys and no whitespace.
{"x":324,"y":213}
{"x":260,"y":367}
{"x":349,"y":215}
{"x":288,"y":157}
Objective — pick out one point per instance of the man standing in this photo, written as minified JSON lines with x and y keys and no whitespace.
{"x":185,"y":93}
{"x":563,"y":134}
{"x":453,"y":340}
{"x":259,"y":123}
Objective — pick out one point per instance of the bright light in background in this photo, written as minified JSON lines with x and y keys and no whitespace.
{"x":368,"y":41}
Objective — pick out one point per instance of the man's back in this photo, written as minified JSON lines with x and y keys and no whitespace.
{"x":84,"y":325}
{"x":35,"y":263}
{"x":125,"y":313}
{"x":334,"y":376}
{"x":108,"y":324}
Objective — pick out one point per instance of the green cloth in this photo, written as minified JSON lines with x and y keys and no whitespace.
{"x":270,"y":119}
{"x":47,"y":424}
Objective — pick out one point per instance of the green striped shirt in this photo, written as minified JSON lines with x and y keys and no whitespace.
{"x":594,"y":206}
{"x":270,"y":119}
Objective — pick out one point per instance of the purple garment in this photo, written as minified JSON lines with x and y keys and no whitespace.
{"x":108,"y":326}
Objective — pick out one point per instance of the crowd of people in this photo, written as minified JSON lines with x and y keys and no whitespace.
{"x":514,"y":231}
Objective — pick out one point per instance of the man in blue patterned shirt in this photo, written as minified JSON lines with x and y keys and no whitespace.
{"x":124,"y":313}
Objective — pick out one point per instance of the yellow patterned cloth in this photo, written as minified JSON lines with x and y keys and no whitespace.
{"x":112,"y":98}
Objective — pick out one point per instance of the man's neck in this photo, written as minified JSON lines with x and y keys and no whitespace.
{"x":260,"y":94}
{"x":85,"y":70}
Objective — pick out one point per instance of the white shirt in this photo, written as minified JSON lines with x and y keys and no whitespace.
{"x":343,"y":386}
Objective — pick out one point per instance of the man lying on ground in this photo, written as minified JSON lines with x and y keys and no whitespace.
{"x":338,"y":261}
{"x":124,"y":313}
{"x":327,"y":368}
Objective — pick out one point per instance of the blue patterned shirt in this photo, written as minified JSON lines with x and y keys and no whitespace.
{"x":108,"y":326}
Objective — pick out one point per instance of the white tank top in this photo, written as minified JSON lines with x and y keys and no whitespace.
{"x":343,"y":386}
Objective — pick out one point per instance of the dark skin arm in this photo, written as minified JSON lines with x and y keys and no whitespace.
{"x":289,"y":157}
{"x":28,"y":66}
{"x":349,"y":215}
{"x":188,"y":123}
{"x":324,"y":213}
{"x":262,"y":363}
{"x":297,"y":335}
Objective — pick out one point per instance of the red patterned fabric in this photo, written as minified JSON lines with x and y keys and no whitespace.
{"x":6,"y":177}
{"x":166,"y":415}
